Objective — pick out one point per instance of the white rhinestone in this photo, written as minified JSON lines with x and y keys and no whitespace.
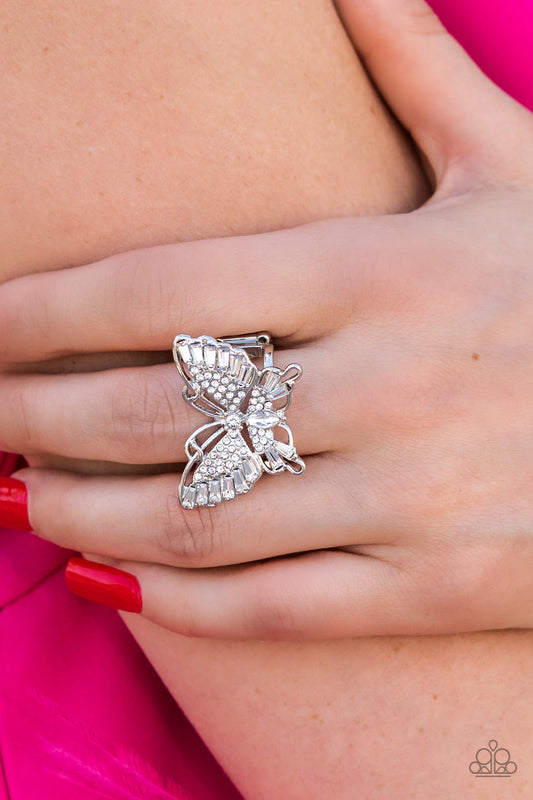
{"x":183,"y":349}
{"x":235,"y":361}
{"x":272,"y":382}
{"x":250,"y":470}
{"x":244,"y":373}
{"x":201,"y":494}
{"x":210,"y":354}
{"x":228,"y":488}
{"x":214,"y":492}
{"x":188,"y":496}
{"x":286,"y":450}
{"x":275,"y":461}
{"x":195,"y":349}
{"x":239,"y":481}
{"x":223,"y":357}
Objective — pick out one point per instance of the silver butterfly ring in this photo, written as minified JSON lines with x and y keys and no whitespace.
{"x":246,"y":405}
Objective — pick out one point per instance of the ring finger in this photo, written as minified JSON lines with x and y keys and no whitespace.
{"x":137,"y":416}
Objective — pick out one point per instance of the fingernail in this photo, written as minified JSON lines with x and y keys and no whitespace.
{"x":102,"y":584}
{"x":14,"y":504}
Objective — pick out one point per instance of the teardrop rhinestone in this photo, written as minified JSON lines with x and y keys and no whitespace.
{"x":263,"y":419}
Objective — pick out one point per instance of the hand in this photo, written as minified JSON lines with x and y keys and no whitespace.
{"x":414,"y":413}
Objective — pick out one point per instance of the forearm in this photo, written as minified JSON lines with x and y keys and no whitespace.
{"x":366,"y":718}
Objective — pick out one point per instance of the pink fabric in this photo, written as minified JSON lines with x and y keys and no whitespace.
{"x":498,"y":34}
{"x":82,"y":713}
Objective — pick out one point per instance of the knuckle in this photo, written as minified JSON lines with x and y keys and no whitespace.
{"x":192,"y":537}
{"x":139,"y":292}
{"x":140,"y":416}
{"x":26,"y":409}
{"x":126,"y":411}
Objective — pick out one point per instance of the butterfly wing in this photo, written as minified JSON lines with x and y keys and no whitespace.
{"x":264,"y":409}
{"x":229,"y":468}
{"x":218,"y":378}
{"x":217,"y":375}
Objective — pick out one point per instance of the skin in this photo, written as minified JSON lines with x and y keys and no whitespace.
{"x":296,"y":695}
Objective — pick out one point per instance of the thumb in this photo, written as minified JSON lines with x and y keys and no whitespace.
{"x":455,"y":114}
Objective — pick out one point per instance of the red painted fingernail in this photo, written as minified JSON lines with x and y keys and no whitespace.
{"x":103,"y":584}
{"x":14,"y":504}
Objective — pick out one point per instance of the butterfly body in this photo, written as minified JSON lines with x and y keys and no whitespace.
{"x":246,"y":405}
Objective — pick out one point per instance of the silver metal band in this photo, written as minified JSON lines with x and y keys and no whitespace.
{"x":256,"y":345}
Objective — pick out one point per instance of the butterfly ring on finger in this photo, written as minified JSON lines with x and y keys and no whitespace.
{"x":248,"y":433}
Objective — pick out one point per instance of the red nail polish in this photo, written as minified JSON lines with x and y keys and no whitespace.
{"x":103,"y":584}
{"x":14,"y":504}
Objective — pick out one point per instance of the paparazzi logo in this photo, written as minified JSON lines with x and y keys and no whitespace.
{"x":493,"y":762}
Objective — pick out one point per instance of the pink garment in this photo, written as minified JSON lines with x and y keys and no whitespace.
{"x":498,"y":34}
{"x":82,"y":712}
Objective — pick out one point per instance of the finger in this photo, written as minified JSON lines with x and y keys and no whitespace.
{"x":140,"y":518}
{"x":298,"y":284}
{"x":326,"y":595}
{"x":138,"y":416}
{"x":452,"y":109}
